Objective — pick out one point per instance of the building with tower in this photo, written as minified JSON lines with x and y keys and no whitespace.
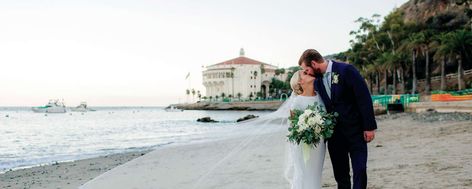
{"x":239,"y":77}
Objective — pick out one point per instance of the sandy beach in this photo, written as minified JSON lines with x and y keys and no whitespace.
{"x":427,"y":150}
{"x":66,"y":174}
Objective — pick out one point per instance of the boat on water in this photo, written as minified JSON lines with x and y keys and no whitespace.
{"x":173,"y":109}
{"x":53,"y":106}
{"x":82,"y":108}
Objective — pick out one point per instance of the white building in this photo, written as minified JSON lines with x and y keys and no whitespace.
{"x":240,"y":75}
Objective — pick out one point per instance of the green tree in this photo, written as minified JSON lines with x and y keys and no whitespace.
{"x":459,"y":43}
{"x":259,"y":94}
{"x":193,"y":94}
{"x":442,"y":54}
{"x":279,"y":71}
{"x":187,"y":92}
{"x":415,"y":43}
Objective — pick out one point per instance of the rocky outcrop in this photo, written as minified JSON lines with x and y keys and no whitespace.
{"x":434,"y":12}
{"x":248,"y":117}
{"x":206,"y":120}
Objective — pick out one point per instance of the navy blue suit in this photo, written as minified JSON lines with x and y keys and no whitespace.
{"x":351,"y":99}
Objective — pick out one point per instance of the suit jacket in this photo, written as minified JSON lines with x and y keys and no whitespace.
{"x":350,"y":98}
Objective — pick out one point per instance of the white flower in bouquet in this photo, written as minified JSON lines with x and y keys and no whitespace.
{"x":312,"y":121}
{"x":318,"y":129}
{"x":302,"y":127}
{"x":301,"y":121}
{"x":319,"y":119}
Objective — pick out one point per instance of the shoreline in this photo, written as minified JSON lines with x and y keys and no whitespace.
{"x":248,"y":106}
{"x":421,"y":141}
{"x":68,"y":174}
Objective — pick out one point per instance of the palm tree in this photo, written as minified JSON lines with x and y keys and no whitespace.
{"x":377,"y":77}
{"x":442,"y":53}
{"x":193,"y":94}
{"x":370,"y":70}
{"x":404,"y":65}
{"x":458,"y":43}
{"x":383,"y":63}
{"x":250,"y":96}
{"x":415,"y":46}
{"x":392,"y":62}
{"x":199,"y":95}
{"x":223,"y":95}
{"x":187,"y":91}
{"x":211,"y":98}
{"x":216,"y":97}
{"x":239,"y":96}
{"x":421,"y":42}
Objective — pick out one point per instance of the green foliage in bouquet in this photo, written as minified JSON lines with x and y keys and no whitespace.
{"x":311,"y":125}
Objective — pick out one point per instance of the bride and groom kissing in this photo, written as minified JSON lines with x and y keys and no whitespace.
{"x":339,"y":88}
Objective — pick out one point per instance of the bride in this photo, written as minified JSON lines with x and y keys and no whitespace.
{"x":306,"y":163}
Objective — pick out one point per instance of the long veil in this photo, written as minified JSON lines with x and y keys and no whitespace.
{"x":257,"y":149}
{"x":274,"y":122}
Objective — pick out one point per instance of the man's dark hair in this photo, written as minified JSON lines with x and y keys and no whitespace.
{"x":309,"y":55}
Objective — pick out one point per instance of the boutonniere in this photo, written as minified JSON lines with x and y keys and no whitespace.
{"x":335,"y":79}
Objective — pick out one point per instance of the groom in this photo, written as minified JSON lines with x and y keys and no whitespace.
{"x":344,"y":91}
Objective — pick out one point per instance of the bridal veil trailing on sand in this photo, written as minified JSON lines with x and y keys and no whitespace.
{"x":257,"y":157}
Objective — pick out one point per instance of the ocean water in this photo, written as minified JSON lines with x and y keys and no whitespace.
{"x":31,"y":139}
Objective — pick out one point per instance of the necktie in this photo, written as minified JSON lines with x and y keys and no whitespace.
{"x":327,"y":83}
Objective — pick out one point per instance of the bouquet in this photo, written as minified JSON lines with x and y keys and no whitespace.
{"x":311,"y":125}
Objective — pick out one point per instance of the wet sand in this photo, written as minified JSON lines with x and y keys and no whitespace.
{"x":64,"y":175}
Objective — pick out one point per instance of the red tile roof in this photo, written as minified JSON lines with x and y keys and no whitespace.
{"x":241,"y":60}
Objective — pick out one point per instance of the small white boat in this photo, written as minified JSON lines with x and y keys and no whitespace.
{"x":173,"y":109}
{"x":82,"y":108}
{"x":53,"y":106}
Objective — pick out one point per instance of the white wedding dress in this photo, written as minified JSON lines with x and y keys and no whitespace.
{"x":305,"y":162}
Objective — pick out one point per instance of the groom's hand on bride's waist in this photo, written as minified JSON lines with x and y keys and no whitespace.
{"x":369,"y":136}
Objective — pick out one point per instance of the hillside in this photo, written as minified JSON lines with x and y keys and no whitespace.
{"x":442,"y":13}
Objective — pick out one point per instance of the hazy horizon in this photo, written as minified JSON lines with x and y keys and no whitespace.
{"x":137,"y":53}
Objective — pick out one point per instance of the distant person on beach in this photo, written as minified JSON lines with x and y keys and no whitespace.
{"x":343,"y":90}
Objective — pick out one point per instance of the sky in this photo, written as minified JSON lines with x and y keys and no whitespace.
{"x":138,"y":52}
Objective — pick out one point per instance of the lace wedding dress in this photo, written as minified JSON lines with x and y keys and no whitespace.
{"x":306,"y":162}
